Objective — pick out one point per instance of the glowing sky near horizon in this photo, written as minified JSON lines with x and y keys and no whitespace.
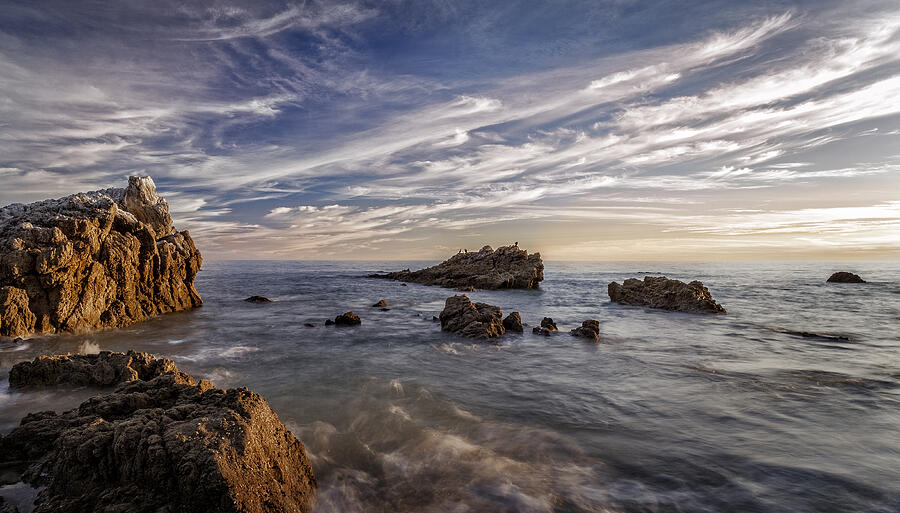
{"x":587,"y":130}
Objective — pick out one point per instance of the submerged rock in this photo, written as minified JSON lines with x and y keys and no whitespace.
{"x":101,"y":370}
{"x":589,"y":329}
{"x":661,"y":292}
{"x":513,"y":322}
{"x":845,"y":277}
{"x":166,"y":444}
{"x":258,"y":299}
{"x":347,"y":319}
{"x":506,"y":268}
{"x":474,"y":320}
{"x":100,"y":259}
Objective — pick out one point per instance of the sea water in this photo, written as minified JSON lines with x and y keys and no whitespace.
{"x":790,"y":402}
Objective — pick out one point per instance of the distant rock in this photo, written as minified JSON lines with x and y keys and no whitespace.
{"x":473,"y":320}
{"x":258,"y":299}
{"x":845,"y":277}
{"x":100,"y":370}
{"x":347,"y":319}
{"x":329,"y":322}
{"x":513,"y":322}
{"x":167,"y":444}
{"x":380,"y":304}
{"x":93,"y":260}
{"x":506,"y":268}
{"x":661,"y":292}
{"x":589,"y":329}
{"x":309,"y":325}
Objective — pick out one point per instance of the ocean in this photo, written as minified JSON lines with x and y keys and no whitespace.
{"x":788,"y":403}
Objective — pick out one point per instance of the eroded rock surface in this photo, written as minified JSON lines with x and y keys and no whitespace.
{"x":474,"y":320}
{"x":100,"y":370}
{"x":589,"y":329}
{"x":166,"y":444}
{"x":845,"y":277}
{"x":99,"y":259}
{"x":506,"y":268}
{"x":661,"y":292}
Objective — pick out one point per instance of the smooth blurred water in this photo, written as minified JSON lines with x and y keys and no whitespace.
{"x":669,"y":412}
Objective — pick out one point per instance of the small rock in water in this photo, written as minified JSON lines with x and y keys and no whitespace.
{"x":329,"y":322}
{"x":513,"y":322}
{"x":402,"y":284}
{"x":588,"y":329}
{"x":347,"y":319}
{"x":385,"y":309}
{"x":548,"y":324}
{"x":434,"y":318}
{"x":474,"y":320}
{"x":541,"y":331}
{"x":310,"y":325}
{"x":379,"y":304}
{"x":665,"y":294}
{"x":844,"y":277}
{"x":258,"y":299}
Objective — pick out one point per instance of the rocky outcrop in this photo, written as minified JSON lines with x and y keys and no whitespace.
{"x":506,"y":268}
{"x":347,"y":319}
{"x":258,"y":299}
{"x":99,"y":370}
{"x":473,"y":320}
{"x":589,"y":329}
{"x":99,"y":259}
{"x":546,"y":328}
{"x":513,"y":322}
{"x":661,"y":292}
{"x":845,"y":277}
{"x":166,"y":444}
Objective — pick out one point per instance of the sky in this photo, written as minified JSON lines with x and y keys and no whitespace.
{"x":399,"y":130}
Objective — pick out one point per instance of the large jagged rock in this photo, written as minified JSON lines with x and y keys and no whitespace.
{"x":163,"y":445}
{"x":506,"y":268}
{"x":844,"y":277}
{"x":93,"y":260}
{"x":99,"y":370}
{"x":474,"y":320}
{"x":661,"y":292}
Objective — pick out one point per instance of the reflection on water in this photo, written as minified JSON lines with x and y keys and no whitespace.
{"x":787,"y":403}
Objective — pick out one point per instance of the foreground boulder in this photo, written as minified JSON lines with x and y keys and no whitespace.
{"x":506,"y":268}
{"x":166,"y":444}
{"x":845,"y":277}
{"x":473,"y":320}
{"x":661,"y":292}
{"x":100,"y":259}
{"x":99,"y":370}
{"x":589,"y":329}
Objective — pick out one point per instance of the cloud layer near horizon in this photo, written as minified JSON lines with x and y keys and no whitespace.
{"x":595,"y":130}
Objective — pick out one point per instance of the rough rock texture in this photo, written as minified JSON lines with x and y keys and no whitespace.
{"x":164,"y":445}
{"x":507,"y":268}
{"x":474,"y":320}
{"x":513,"y":322}
{"x":661,"y":292}
{"x":845,"y":277}
{"x":258,"y":299}
{"x":102,"y":370}
{"x":347,"y":319}
{"x":99,"y":259}
{"x":589,"y":329}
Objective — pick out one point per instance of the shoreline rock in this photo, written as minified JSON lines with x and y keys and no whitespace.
{"x":506,"y":268}
{"x":473,"y":320}
{"x":665,"y":294}
{"x":167,"y":444}
{"x":844,"y":277}
{"x":100,"y":259}
{"x":100,"y":370}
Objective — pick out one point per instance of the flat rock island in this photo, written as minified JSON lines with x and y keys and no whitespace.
{"x":665,"y":294}
{"x":509,"y":267}
{"x":99,"y":259}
